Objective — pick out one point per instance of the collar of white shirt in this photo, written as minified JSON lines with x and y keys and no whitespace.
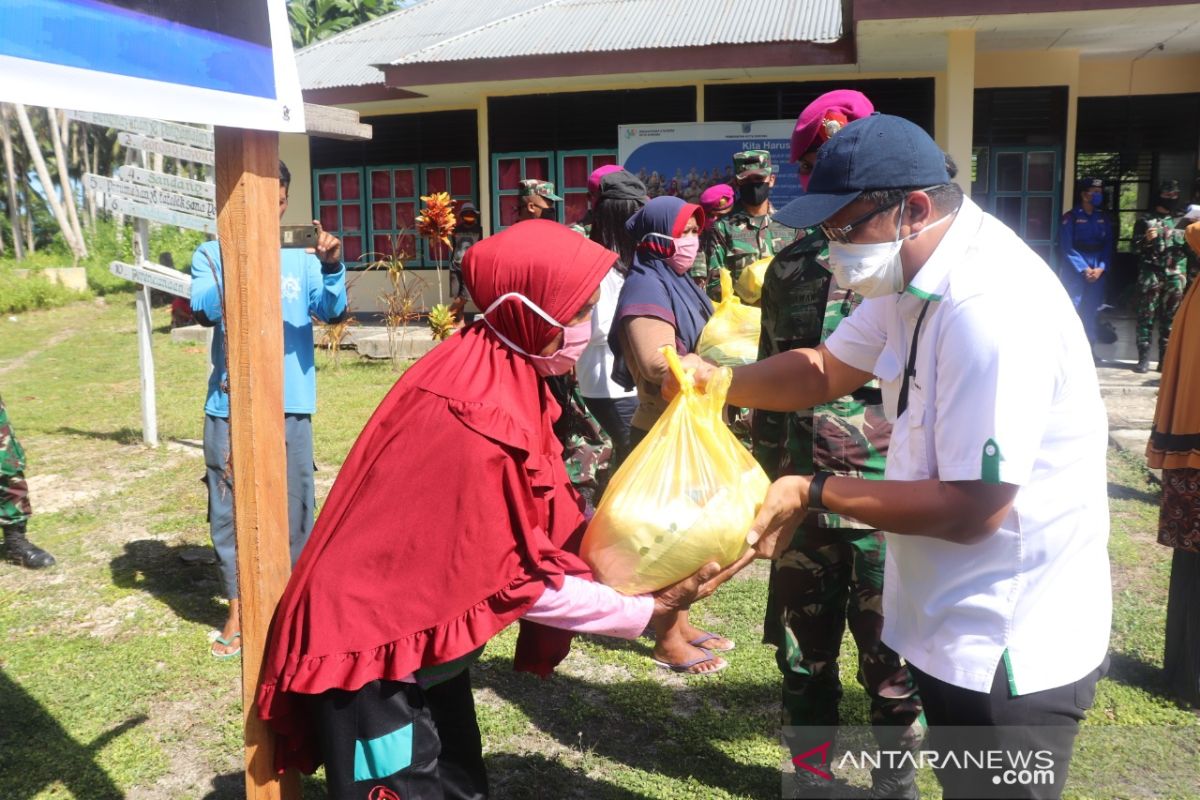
{"x":931,"y":280}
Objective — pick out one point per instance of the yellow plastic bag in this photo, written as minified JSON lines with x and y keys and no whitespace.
{"x":686,"y":496}
{"x":750,"y":282}
{"x":730,"y":337}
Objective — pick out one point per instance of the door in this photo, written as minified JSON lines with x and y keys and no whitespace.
{"x":1025,"y":193}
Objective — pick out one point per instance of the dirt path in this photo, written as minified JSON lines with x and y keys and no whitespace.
{"x":58,"y":338}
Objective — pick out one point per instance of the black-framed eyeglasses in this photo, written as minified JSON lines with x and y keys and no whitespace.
{"x":842,"y":233}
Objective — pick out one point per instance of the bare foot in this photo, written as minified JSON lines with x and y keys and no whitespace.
{"x":231,"y":633}
{"x":718,"y":644}
{"x":675,"y":653}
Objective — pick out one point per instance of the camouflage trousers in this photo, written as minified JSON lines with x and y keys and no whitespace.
{"x":14,"y":492}
{"x":823,"y":583}
{"x":1159,"y":294}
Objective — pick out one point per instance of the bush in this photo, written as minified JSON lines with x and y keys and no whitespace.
{"x":19,"y":294}
{"x":104,"y":247}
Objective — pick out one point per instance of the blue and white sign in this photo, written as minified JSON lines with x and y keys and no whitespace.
{"x":220,"y":62}
{"x":687,"y":158}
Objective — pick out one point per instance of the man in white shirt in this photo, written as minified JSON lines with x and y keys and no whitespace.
{"x":997,"y":588}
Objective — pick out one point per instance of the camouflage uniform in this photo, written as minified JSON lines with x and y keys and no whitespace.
{"x":14,"y":492}
{"x":587,"y":450}
{"x":832,"y":573}
{"x":1161,"y":278}
{"x":738,"y":239}
{"x":543,"y":189}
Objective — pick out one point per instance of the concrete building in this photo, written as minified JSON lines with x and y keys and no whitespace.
{"x":468,"y":97}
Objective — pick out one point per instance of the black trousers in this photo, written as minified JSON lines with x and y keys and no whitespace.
{"x":392,"y":740}
{"x":1041,"y":725}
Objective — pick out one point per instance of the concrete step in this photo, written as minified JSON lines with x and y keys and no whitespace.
{"x":409,"y":345}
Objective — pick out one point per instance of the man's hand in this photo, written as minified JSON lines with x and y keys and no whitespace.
{"x":680,"y":596}
{"x":702,"y":372}
{"x":1152,"y":233}
{"x":781,"y":513}
{"x":329,"y":247}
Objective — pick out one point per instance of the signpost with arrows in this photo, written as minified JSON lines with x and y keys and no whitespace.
{"x":151,"y":196}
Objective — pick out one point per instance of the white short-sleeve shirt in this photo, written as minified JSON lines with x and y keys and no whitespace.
{"x":1004,"y":390}
{"x":594,"y":368}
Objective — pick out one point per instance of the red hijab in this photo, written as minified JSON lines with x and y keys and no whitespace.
{"x":453,"y":511}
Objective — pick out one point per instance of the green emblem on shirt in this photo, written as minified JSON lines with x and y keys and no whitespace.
{"x":990,"y":469}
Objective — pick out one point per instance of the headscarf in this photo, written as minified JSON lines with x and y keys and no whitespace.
{"x":653,"y":289}
{"x":1175,"y":437}
{"x":453,"y":511}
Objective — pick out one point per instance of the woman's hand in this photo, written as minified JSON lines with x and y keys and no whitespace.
{"x":781,"y":513}
{"x":680,"y":596}
{"x":702,"y":372}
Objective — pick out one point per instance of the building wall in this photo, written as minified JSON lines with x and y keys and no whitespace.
{"x":952,"y":124}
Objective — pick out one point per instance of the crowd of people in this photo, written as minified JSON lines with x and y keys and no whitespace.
{"x":939,"y":472}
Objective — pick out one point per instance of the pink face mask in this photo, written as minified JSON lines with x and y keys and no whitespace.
{"x":683,"y":251}
{"x":686,"y":250}
{"x":560,"y":362}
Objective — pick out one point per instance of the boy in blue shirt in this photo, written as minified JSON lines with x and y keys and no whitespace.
{"x":311,"y":285}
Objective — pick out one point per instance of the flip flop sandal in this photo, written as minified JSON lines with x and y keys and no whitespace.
{"x":686,"y":666}
{"x":227,"y":643}
{"x":708,"y":637}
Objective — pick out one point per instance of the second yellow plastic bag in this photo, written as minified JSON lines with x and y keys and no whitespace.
{"x":730,"y":337}
{"x":686,"y":496}
{"x":750,"y":282}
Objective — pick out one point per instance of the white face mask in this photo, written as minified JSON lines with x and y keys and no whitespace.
{"x":875,"y":269}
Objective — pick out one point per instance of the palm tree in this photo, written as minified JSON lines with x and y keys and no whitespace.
{"x":313,"y":20}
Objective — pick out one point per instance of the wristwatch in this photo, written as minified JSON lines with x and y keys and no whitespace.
{"x":815,"y":490}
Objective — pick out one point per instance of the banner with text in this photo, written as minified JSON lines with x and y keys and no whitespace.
{"x":686,"y":158}
{"x":219,"y":62}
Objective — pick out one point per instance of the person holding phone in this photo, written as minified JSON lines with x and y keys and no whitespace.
{"x":312,"y":283}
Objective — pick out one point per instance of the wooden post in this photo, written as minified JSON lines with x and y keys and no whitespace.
{"x":141,"y":247}
{"x":247,"y":172}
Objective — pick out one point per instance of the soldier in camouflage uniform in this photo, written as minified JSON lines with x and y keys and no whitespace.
{"x":747,"y":233}
{"x":14,"y":501}
{"x":832,"y":573}
{"x":587,"y":449}
{"x":537,"y":200}
{"x":1162,"y":251}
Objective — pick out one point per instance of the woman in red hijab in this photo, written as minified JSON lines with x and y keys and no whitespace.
{"x":452,"y":518}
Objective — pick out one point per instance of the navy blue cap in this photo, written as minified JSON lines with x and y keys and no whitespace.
{"x":1087,"y":184}
{"x":876,"y":152}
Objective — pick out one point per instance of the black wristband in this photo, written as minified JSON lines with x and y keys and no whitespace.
{"x":330,"y":267}
{"x":815,"y":490}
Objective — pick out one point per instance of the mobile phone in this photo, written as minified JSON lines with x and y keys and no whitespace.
{"x":298,"y":235}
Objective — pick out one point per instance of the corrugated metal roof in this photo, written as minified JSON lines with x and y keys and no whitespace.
{"x":348,"y":58}
{"x":438,"y":31}
{"x":595,"y":26}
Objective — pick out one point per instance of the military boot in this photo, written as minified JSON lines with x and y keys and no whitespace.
{"x":20,"y":550}
{"x":1143,"y":364}
{"x":894,"y":784}
{"x":1162,"y":356}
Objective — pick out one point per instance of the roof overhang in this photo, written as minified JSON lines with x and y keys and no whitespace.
{"x":669,"y":59}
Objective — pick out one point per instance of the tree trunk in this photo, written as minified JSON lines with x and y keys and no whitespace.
{"x":89,"y":162}
{"x":10,"y":171}
{"x":30,"y":242}
{"x":39,"y":164}
{"x":64,"y":178}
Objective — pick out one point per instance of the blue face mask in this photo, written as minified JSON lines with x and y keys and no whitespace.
{"x":1097,"y":198}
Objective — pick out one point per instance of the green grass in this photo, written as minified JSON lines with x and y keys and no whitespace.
{"x":107,"y":690}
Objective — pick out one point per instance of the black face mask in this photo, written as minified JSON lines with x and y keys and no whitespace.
{"x":754,"y":194}
{"x":1168,"y":203}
